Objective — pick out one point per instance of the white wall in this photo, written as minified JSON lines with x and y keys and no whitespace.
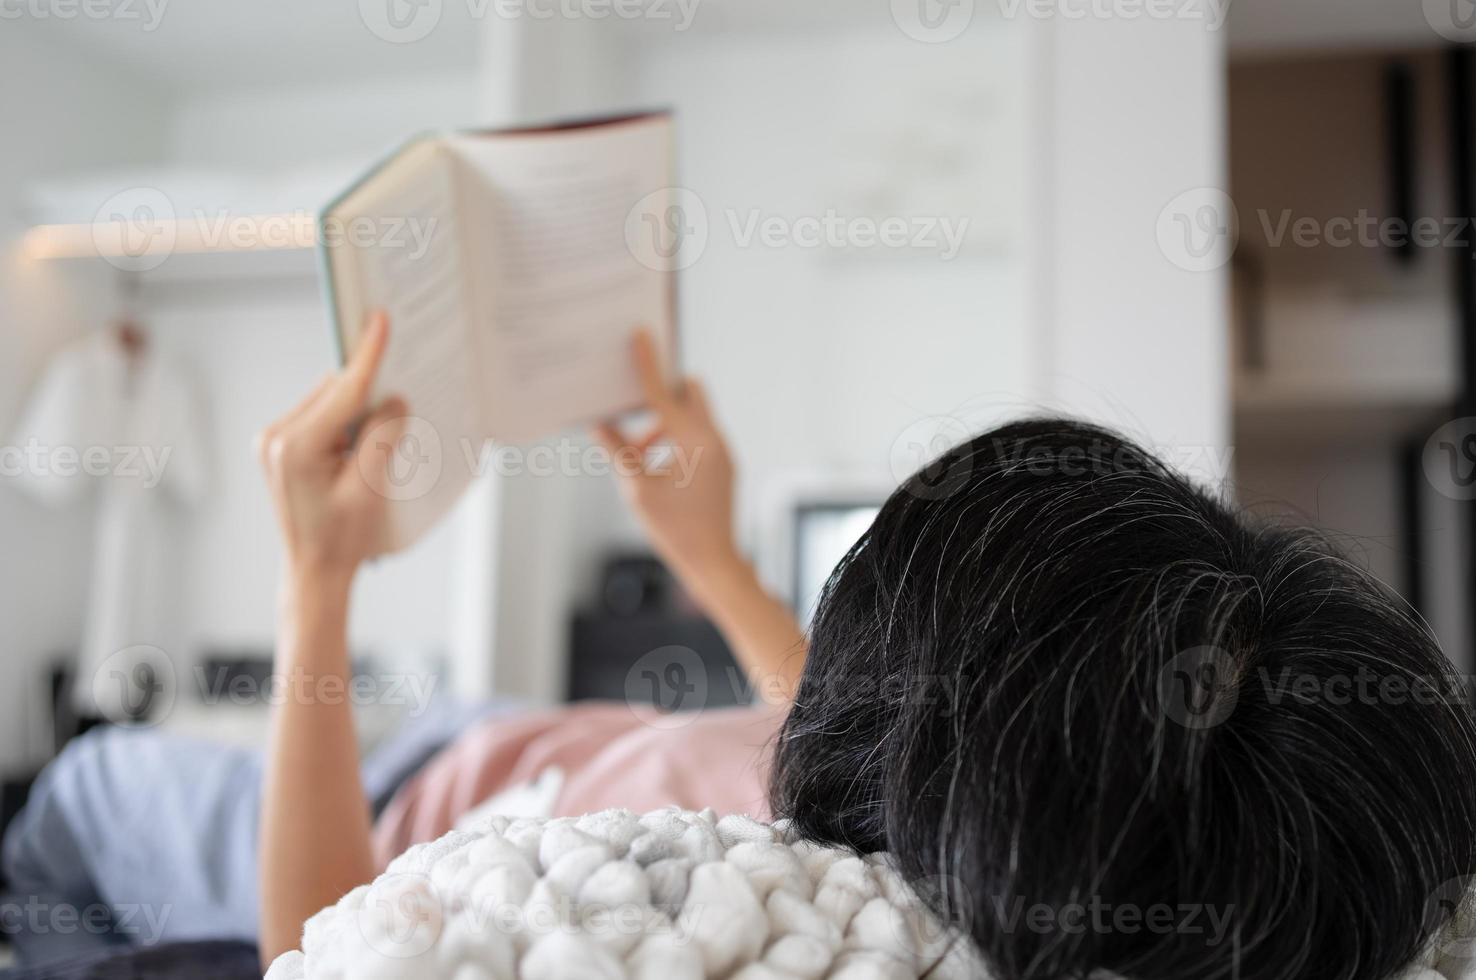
{"x":253,"y":348}
{"x":252,"y":342}
{"x":59,"y":112}
{"x":269,"y":128}
{"x":819,"y":360}
{"x":1134,"y":115}
{"x":257,"y":343}
{"x":822,"y":364}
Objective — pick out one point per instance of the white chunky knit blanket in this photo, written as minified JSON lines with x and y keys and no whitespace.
{"x":671,"y":895}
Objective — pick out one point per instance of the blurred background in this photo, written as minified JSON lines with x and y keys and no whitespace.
{"x":1179,"y":217}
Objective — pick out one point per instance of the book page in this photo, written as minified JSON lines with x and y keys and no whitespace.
{"x":560,"y":291}
{"x":402,"y":233}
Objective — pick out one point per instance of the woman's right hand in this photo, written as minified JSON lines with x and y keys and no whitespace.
{"x":332,"y":509}
{"x":684,"y":499}
{"x":686,"y":505}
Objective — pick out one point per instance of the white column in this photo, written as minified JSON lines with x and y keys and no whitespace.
{"x":515,"y":576}
{"x":1134,"y":333}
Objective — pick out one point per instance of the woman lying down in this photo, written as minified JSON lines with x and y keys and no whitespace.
{"x":1062,"y":714}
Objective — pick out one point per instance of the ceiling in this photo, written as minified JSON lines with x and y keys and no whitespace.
{"x":230,"y":43}
{"x":216,"y":44}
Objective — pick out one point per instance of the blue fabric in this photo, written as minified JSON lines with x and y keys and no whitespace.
{"x":133,"y":837}
{"x":182,"y":961}
{"x":137,"y":837}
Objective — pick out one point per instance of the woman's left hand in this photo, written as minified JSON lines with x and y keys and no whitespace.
{"x":331,"y":511}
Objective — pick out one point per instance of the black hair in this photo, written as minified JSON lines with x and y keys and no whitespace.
{"x":1067,"y":690}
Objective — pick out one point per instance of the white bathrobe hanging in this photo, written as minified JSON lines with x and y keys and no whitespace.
{"x":119,"y":430}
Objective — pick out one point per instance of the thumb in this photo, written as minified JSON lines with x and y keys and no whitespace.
{"x":626,"y":457}
{"x":695,"y":396}
{"x":379,"y":442}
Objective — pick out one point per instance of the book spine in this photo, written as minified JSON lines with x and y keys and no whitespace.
{"x":325,"y":256}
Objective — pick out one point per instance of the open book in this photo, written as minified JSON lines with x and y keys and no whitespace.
{"x":514,"y":266}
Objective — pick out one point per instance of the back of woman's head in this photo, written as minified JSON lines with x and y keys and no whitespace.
{"x":1104,"y":723}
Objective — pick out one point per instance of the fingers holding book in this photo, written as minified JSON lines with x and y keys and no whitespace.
{"x":320,"y":464}
{"x":677,"y":475}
